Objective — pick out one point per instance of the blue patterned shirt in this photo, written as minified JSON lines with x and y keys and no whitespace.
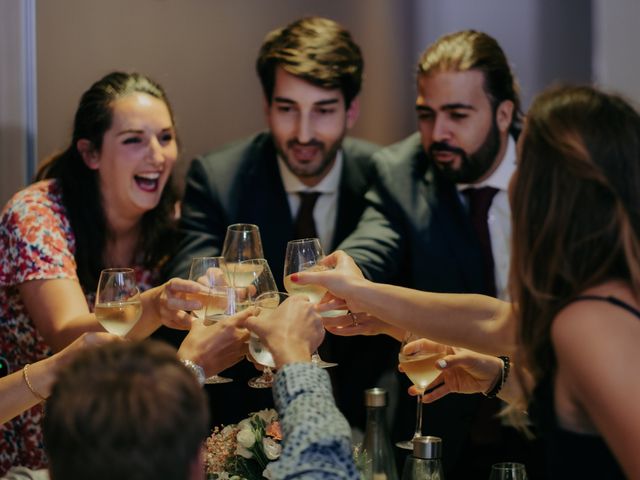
{"x":316,"y":436}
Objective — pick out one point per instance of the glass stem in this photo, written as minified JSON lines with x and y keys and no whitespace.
{"x":315,"y":357}
{"x":418,"y":432}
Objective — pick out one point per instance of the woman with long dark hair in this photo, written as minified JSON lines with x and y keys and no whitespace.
{"x":106,"y":201}
{"x":573,"y":329}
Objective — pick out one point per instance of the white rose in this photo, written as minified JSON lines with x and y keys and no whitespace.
{"x":246,"y":438}
{"x":271,"y":449}
{"x":244,"y":424}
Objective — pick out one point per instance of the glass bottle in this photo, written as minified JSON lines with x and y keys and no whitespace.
{"x":426,"y":461}
{"x":381,"y":463}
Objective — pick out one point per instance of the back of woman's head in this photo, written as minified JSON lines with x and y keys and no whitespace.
{"x":80,"y":184}
{"x":576,"y":206}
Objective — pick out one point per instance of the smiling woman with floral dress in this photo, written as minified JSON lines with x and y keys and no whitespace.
{"x":105,"y":201}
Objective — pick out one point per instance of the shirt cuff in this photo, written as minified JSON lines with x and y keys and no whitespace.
{"x":295,"y":379}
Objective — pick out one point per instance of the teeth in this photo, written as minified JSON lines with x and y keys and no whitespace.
{"x":149,"y":176}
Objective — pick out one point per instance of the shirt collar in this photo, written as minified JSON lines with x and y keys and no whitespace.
{"x":328,"y":184}
{"x":502,"y":175}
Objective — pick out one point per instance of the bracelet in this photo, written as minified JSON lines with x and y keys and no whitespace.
{"x":26,"y":380}
{"x":504,"y":374}
{"x":196,"y":369}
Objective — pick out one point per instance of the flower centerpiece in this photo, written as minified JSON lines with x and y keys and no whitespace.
{"x":243,"y":451}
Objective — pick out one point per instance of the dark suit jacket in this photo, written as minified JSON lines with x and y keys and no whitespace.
{"x":241,"y":183}
{"x":415,"y":232}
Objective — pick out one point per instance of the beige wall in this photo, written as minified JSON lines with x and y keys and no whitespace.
{"x":203,"y":53}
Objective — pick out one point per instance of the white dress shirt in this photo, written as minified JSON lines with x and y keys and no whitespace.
{"x":499,"y":217}
{"x":325,"y":210}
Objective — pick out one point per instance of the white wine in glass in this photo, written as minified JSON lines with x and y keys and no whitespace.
{"x":304,"y":254}
{"x":242,"y":242}
{"x":118,"y":307}
{"x":421,"y":370}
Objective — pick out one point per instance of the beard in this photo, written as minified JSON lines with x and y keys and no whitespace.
{"x":472,"y":166}
{"x":313,"y":168}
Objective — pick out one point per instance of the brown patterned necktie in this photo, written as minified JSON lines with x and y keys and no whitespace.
{"x":304,"y":225}
{"x":479,"y":202}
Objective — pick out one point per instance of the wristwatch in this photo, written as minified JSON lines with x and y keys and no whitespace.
{"x":196,"y":369}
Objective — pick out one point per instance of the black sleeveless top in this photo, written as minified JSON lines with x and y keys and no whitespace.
{"x":571,"y":454}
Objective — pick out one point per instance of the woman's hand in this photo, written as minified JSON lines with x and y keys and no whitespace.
{"x":341,"y":281}
{"x":462,"y":370}
{"x":359,"y":324}
{"x":218,"y":346}
{"x":171,"y":302}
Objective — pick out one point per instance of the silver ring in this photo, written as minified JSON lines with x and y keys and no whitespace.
{"x":354,"y":319}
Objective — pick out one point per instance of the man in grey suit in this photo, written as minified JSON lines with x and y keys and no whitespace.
{"x":439,"y":220}
{"x":311,"y":73}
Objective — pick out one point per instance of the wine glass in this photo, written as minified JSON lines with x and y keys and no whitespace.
{"x":421,"y":369}
{"x":221,"y":303}
{"x":267,"y":302}
{"x":255,"y":275}
{"x":118,"y":307}
{"x":508,"y":471}
{"x":304,"y":254}
{"x":208,"y":272}
{"x":242,"y":242}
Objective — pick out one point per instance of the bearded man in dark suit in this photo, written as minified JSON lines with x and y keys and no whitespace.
{"x":311,"y":73}
{"x":439,"y":220}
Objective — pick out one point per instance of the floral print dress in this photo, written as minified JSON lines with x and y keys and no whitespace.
{"x":36,"y":243}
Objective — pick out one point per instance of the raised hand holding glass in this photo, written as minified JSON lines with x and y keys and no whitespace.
{"x":304,"y":254}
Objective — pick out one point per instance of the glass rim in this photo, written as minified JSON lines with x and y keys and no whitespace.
{"x":243,"y":227}
{"x":117,"y":270}
{"x":207,"y":256}
{"x":302,"y":240}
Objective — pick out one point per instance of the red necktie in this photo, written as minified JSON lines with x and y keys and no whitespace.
{"x":304,"y":225}
{"x":479,"y":202}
